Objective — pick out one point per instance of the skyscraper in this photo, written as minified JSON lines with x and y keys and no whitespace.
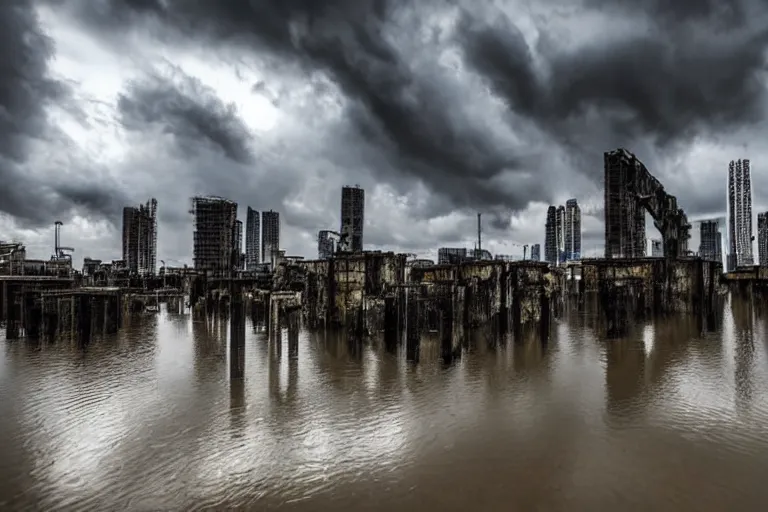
{"x":762,"y":238}
{"x":252,"y":239}
{"x":536,"y":252}
{"x":572,"y":230}
{"x":739,"y":214}
{"x":624,"y":216}
{"x":325,"y":245}
{"x":140,"y":238}
{"x":710,"y":245}
{"x":560,"y":223}
{"x":550,"y":238}
{"x":353,"y":216}
{"x":270,"y":235}
{"x":237,"y":251}
{"x":214,"y":234}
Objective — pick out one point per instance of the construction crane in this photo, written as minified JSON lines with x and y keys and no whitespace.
{"x":59,"y":252}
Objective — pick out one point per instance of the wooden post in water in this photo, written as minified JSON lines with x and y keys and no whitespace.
{"x":412,"y":328}
{"x":390,"y":324}
{"x":445,"y":306}
{"x":236,"y":335}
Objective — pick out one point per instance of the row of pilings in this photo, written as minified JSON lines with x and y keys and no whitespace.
{"x":37,"y":309}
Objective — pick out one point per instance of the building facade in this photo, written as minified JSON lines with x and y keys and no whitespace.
{"x":762,"y":238}
{"x":270,"y":235}
{"x":325,"y":245}
{"x":550,"y":237}
{"x":252,"y":239}
{"x":739,"y":214}
{"x":536,"y":252}
{"x":140,"y":238}
{"x":213,"y":239}
{"x":572,"y":230}
{"x":710,"y":244}
{"x":238,"y":255}
{"x":624,"y":216}
{"x":353,"y":216}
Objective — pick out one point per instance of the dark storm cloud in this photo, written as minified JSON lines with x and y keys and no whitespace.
{"x":669,"y":83}
{"x":190,"y":111}
{"x":412,"y":116}
{"x":26,"y":90}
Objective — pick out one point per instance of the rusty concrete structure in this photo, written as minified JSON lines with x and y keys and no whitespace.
{"x":214,"y":237}
{"x":627,"y":288}
{"x":630,"y":191}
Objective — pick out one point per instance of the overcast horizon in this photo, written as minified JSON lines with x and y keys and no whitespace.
{"x":438,"y":109}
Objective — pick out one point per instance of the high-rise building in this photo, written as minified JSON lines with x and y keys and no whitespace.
{"x":238,"y":242}
{"x":325,"y":245}
{"x":536,"y":252}
{"x":710,"y":245}
{"x":572,"y":230}
{"x":353,"y":216}
{"x":739,"y":214}
{"x":252,"y":239}
{"x":762,"y":238}
{"x":450,"y":255}
{"x":550,"y":238}
{"x":270,"y":235}
{"x":140,"y":238}
{"x":657,"y":248}
{"x":624,"y":216}
{"x":560,"y":223}
{"x":214,"y":237}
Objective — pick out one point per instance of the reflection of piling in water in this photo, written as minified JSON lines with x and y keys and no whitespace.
{"x":294,"y":316}
{"x":412,"y":325}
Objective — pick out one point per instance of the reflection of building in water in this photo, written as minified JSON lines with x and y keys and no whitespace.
{"x":624,"y":374}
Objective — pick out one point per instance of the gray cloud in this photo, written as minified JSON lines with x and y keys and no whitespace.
{"x":419,"y":94}
{"x":193,"y":113}
{"x":33,"y":192}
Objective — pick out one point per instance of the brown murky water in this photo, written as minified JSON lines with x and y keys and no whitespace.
{"x":666,"y":419}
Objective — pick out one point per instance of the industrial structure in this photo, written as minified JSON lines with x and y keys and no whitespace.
{"x":536,"y":252}
{"x":139,"y":238}
{"x":252,"y":239}
{"x":270,"y":235}
{"x":740,"y":235}
{"x":451,"y":255}
{"x":560,"y":233}
{"x":325,"y":244}
{"x":711,"y":243}
{"x":630,"y":191}
{"x":762,"y":238}
{"x":353,"y":216}
{"x":214,"y":237}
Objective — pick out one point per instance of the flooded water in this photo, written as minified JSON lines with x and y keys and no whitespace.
{"x":666,"y":419}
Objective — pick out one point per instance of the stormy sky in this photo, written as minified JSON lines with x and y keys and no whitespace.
{"x":439,"y":108}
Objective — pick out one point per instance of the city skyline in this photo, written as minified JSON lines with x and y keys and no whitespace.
{"x":123,"y":118}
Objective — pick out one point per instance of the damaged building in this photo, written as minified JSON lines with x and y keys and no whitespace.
{"x":214,"y":237}
{"x":140,"y":238}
